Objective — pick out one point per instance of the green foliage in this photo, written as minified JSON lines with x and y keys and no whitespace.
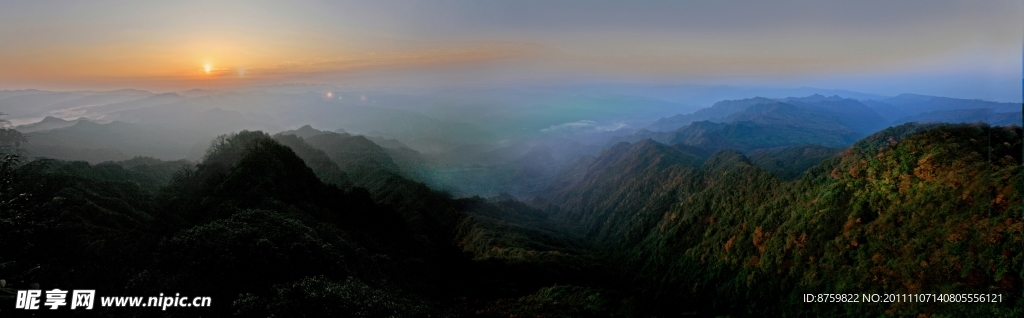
{"x":316,"y":159}
{"x":619,"y":186}
{"x":566,"y":301}
{"x":10,"y":139}
{"x":355,"y":155}
{"x":227,"y":256}
{"x":250,"y":217}
{"x":75,"y":218}
{"x":273,"y":227}
{"x":911,"y":209}
{"x":790,"y":163}
{"x":318,"y":296}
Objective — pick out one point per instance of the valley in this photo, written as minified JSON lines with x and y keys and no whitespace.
{"x":742,"y":209}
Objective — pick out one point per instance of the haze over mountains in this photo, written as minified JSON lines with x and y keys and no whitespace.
{"x":467,"y":141}
{"x":516,"y":201}
{"x":556,"y":159}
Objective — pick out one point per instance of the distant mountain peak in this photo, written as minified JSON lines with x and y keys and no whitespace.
{"x":716,"y":112}
{"x":86,"y":123}
{"x":306,"y":131}
{"x":309,"y":130}
{"x":51,"y":119}
{"x":913,"y":95}
{"x":816,"y":98}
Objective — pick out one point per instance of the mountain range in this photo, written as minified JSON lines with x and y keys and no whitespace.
{"x":865,"y":116}
{"x":888,"y":213}
{"x":741,"y":209}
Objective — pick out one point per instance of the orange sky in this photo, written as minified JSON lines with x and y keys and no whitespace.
{"x":167,"y":45}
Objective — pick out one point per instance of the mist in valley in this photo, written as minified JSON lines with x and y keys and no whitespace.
{"x":468,"y":142}
{"x":446,"y":159}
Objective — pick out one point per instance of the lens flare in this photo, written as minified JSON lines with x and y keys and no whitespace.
{"x":328,"y":96}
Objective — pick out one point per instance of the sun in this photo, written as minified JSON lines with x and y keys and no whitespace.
{"x":207,"y":68}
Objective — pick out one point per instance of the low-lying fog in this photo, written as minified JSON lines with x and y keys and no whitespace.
{"x":466,"y":141}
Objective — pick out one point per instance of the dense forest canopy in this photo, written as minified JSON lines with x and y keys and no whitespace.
{"x":526,"y":159}
{"x":742,"y":211}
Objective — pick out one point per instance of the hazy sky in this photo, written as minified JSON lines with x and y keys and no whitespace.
{"x":952,"y":48}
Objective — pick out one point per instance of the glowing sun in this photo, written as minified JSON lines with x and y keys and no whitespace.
{"x":207,"y":68}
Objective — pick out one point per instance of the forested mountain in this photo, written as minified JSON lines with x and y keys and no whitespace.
{"x":307,"y":131}
{"x":511,"y":159}
{"x":255,"y":228}
{"x":715,"y":113}
{"x":741,"y":217}
{"x":865,"y":116}
{"x":911,"y":209}
{"x":323,"y":166}
{"x":750,"y":135}
{"x":789,"y":163}
{"x":625,"y":177}
{"x":252,"y":214}
{"x":354,"y":154}
{"x":848,"y":112}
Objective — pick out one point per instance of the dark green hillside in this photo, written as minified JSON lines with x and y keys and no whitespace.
{"x":499,"y":249}
{"x":274,"y":226}
{"x":324,"y":168}
{"x":355,"y":155}
{"x":76,"y":225}
{"x":789,"y":163}
{"x":254,"y":226}
{"x":618,"y":187}
{"x":307,"y":131}
{"x":248,"y":223}
{"x":911,"y":209}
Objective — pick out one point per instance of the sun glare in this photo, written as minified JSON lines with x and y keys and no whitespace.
{"x":207,"y":68}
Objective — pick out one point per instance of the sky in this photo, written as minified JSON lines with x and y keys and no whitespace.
{"x":967,"y":49}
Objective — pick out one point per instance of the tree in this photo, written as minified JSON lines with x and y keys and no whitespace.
{"x":10,"y":139}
